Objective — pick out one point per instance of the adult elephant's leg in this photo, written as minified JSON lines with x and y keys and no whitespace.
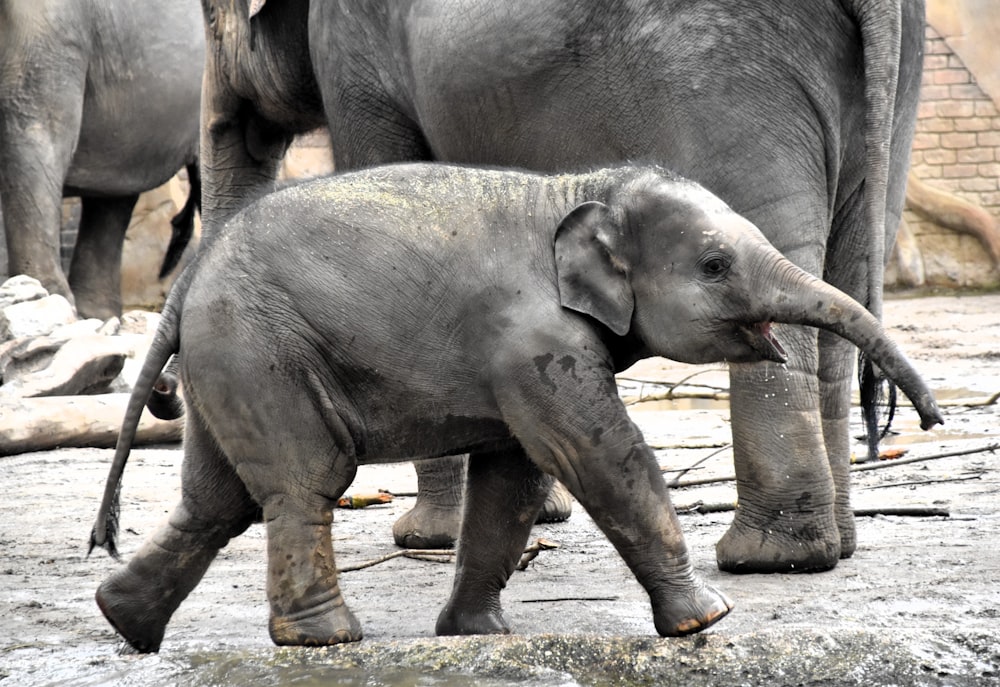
{"x":35,"y":152}
{"x":835,"y":374}
{"x":96,"y":269}
{"x":846,"y":268}
{"x":504,"y":493}
{"x":785,"y":520}
{"x":139,"y":599}
{"x":434,"y":521}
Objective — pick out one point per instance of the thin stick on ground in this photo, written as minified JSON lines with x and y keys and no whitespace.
{"x":437,"y":555}
{"x":920,"y":482}
{"x":909,"y":511}
{"x":859,"y":467}
{"x":716,"y":393}
{"x":680,"y":473}
{"x":446,"y":555}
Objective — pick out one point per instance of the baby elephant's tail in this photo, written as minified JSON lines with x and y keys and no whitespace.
{"x":165,"y":343}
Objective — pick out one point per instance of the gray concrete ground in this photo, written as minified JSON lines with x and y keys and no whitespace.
{"x":918,"y":604}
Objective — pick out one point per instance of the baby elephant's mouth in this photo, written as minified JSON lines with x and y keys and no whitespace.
{"x":759,"y":337}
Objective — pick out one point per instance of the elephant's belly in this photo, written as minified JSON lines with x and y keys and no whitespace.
{"x":420,"y":439}
{"x":127,"y":146}
{"x":135,"y":167}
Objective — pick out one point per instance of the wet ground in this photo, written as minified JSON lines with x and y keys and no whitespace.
{"x":918,"y":604}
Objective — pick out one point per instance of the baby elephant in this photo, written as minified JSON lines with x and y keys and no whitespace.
{"x":418,"y":311}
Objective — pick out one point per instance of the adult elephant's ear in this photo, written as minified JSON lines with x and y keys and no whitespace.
{"x":592,"y":278}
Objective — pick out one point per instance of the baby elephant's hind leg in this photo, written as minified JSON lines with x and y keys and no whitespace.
{"x":139,"y":599}
{"x":307,"y":607}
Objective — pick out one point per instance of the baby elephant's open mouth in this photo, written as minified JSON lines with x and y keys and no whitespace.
{"x":759,"y":337}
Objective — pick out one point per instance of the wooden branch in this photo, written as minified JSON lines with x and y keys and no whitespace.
{"x":532,"y":551}
{"x":437,"y":555}
{"x":861,"y":467}
{"x":919,"y":482}
{"x":715,"y":393}
{"x":38,"y":424}
{"x":858,"y":467}
{"x":696,"y":466}
{"x":672,"y":395}
{"x":445,"y":555}
{"x":955,"y":213}
{"x":911,"y":511}
{"x":969,"y":402}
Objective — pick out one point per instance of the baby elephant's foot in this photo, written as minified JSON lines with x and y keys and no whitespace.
{"x":130,"y":605}
{"x":428,"y":526}
{"x":330,"y":623}
{"x":686,"y":613}
{"x":455,"y":621}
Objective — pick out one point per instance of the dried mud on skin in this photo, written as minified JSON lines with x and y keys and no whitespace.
{"x":919,"y":603}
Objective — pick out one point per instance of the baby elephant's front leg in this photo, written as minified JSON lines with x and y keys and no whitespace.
{"x":577,"y":429}
{"x":504,"y":492}
{"x":624,"y":492}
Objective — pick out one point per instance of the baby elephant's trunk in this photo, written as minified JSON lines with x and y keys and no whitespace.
{"x":794,"y":296}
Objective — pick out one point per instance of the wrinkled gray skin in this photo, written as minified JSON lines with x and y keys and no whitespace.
{"x":800,"y":115}
{"x":418,"y":311}
{"x":98,"y":99}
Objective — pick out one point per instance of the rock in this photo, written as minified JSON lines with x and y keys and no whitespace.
{"x":37,"y":317}
{"x":111,"y":327}
{"x":20,"y":289}
{"x":146,"y":242}
{"x":81,"y":365}
{"x":36,"y":424}
{"x":79,"y":328}
{"x":140,"y":322}
{"x":26,"y":355}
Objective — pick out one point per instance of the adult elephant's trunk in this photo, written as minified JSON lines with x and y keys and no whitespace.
{"x":793,"y":296}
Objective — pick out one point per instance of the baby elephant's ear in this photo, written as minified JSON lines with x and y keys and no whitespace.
{"x":592,"y":278}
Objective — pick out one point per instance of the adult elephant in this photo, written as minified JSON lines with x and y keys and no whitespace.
{"x":98,"y":99}
{"x":799,"y":115}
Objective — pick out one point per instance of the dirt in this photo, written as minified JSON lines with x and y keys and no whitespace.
{"x":919,"y":603}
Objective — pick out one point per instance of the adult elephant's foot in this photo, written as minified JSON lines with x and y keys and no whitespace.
{"x":786,"y":543}
{"x":847,"y":531}
{"x":329,"y":622}
{"x":694,"y":610}
{"x":428,"y":526}
{"x":558,"y":504}
{"x":436,"y":518}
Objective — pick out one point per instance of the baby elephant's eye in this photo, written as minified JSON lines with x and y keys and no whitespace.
{"x":714,"y":266}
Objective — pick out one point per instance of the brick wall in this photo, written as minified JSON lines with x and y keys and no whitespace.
{"x":956,"y":148}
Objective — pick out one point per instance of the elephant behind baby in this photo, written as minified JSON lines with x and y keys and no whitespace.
{"x":800,"y":115}
{"x":98,"y":99}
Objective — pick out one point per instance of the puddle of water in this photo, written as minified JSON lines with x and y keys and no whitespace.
{"x":299,"y":670}
{"x":910,"y":434}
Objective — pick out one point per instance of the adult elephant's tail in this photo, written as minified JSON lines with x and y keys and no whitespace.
{"x":182,"y":224}
{"x":165,"y":343}
{"x":880,"y":23}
